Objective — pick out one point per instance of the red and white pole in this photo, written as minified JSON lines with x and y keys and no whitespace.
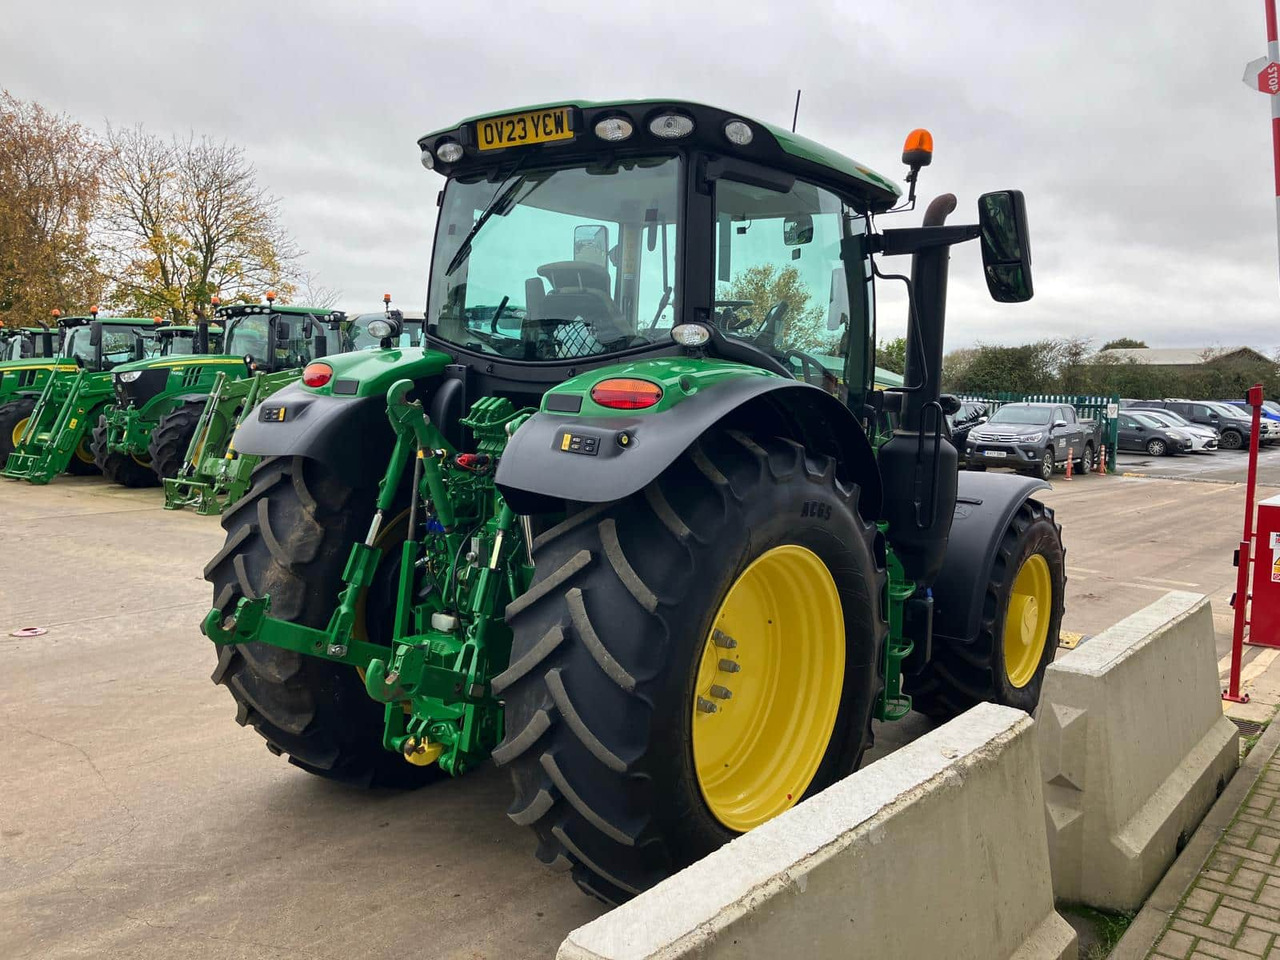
{"x":1273,"y":57}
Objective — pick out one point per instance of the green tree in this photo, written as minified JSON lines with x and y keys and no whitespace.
{"x":804,"y":327}
{"x":49,"y":196}
{"x":892,"y":355}
{"x":1125,"y":343}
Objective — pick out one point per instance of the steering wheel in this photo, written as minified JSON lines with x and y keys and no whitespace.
{"x":812,"y":370}
{"x":768,"y":333}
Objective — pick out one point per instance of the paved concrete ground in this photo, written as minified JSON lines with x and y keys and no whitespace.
{"x":137,"y":819}
{"x":1220,"y":465}
{"x":1232,"y":909}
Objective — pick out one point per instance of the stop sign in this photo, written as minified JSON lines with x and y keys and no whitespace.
{"x":1268,"y":78}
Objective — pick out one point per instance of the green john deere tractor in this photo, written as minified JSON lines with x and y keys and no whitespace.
{"x":56,"y":434}
{"x":144,"y":438}
{"x":28,"y":357}
{"x":212,"y":474}
{"x":635,"y":523}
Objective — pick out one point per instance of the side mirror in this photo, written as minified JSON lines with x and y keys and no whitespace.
{"x":797,"y":229}
{"x":591,"y":244}
{"x":983,"y":419}
{"x":95,"y":334}
{"x":284,"y":332}
{"x":1057,"y":424}
{"x":1006,"y":248}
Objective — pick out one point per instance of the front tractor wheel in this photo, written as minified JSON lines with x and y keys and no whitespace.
{"x":122,"y":468}
{"x":290,"y":536}
{"x":14,"y":417}
{"x":1018,"y":635}
{"x":692,"y":661}
{"x":171,"y":438}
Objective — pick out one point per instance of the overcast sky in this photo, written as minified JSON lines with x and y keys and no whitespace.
{"x":1146,"y":162}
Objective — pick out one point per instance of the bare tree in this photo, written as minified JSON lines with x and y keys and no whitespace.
{"x":186,"y":219}
{"x":49,"y":194}
{"x":312,"y":293}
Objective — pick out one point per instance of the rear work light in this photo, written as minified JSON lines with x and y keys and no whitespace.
{"x":624,"y":393}
{"x":317,"y":374}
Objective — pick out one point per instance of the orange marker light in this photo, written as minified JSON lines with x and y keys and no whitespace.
{"x":94,"y":310}
{"x":55,"y":312}
{"x":625,"y":393}
{"x":271,"y":296}
{"x":917,"y":151}
{"x":386,"y":298}
{"x":215,"y":301}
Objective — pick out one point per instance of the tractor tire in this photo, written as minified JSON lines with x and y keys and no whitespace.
{"x":13,"y":421}
{"x":963,"y":673}
{"x":614,"y":644}
{"x":171,"y":438}
{"x":119,"y":468}
{"x":290,"y":536}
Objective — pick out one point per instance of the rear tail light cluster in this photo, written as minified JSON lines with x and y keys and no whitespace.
{"x":317,"y":374}
{"x":625,"y":393}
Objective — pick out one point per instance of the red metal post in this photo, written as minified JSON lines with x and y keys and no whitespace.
{"x":1273,"y":54}
{"x":1246,"y":541}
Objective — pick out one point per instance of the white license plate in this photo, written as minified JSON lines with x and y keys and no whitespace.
{"x":994,"y":453}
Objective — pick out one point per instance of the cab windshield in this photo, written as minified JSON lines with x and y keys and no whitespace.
{"x":250,"y":336}
{"x":119,"y":345}
{"x":177,"y":344}
{"x":1020,"y":413}
{"x":558,"y":264}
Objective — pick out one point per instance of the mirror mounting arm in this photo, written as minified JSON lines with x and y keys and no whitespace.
{"x":896,"y":242}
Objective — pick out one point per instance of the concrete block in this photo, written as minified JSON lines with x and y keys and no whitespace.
{"x":937,"y":850}
{"x":1134,"y":749}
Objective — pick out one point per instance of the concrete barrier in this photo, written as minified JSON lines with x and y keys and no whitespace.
{"x":1134,"y":749}
{"x":937,"y":850}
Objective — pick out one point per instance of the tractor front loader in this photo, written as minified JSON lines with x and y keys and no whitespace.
{"x":28,"y":357}
{"x":55,"y":436}
{"x":212,"y":473}
{"x":144,"y":438}
{"x":635,"y":523}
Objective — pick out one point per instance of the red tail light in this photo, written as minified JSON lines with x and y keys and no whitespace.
{"x":624,"y":393}
{"x":317,"y":374}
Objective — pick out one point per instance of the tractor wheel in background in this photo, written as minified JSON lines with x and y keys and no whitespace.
{"x":1018,"y":635}
{"x":13,"y":421}
{"x":691,"y":661}
{"x":290,"y":536}
{"x":121,"y":468}
{"x":1156,"y":447}
{"x":82,"y":462}
{"x":171,"y":438}
{"x":1231,"y":440}
{"x":1087,"y":459}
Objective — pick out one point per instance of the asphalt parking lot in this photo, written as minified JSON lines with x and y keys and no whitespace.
{"x":138,"y":820}
{"x":1228,"y":465}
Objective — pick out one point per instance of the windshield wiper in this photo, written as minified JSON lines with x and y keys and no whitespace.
{"x":499,"y":204}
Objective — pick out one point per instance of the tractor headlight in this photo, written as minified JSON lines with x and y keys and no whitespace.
{"x":129,"y":377}
{"x":690,"y":334}
{"x":671,"y":126}
{"x":449,"y":151}
{"x":381,"y":329}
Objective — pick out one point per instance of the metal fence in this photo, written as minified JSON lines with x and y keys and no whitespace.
{"x":1102,"y":409}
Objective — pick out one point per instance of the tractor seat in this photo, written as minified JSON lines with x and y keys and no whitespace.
{"x":579,"y":290}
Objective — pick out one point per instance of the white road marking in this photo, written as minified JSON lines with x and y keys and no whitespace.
{"x":1081,"y":570}
{"x":1144,"y":586}
{"x":1171,"y":583}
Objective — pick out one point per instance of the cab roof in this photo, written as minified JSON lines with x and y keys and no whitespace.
{"x":245,"y":309}
{"x":771,"y":145}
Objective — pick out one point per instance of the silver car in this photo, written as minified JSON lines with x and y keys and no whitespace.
{"x":1203,"y":439}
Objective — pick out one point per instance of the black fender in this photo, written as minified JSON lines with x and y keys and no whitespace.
{"x":540,"y":468}
{"x":182,"y":398}
{"x":985,"y":503}
{"x":351,"y":435}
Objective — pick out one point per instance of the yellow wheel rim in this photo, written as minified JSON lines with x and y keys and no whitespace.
{"x":768,"y":688}
{"x":83,"y":451}
{"x":19,"y":429}
{"x":1026,"y":623}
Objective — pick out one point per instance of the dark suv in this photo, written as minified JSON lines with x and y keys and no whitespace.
{"x":1233,"y":425}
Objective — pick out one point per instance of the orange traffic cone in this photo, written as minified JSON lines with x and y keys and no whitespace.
{"x":1071,"y":452}
{"x":1102,"y":461}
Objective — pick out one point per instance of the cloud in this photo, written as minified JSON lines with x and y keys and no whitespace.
{"x":1146,"y":162}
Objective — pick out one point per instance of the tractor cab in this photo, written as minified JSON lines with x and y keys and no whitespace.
{"x":99,"y":345}
{"x":28,"y":343}
{"x":371,"y":331}
{"x":271,"y":337}
{"x":183,"y":341}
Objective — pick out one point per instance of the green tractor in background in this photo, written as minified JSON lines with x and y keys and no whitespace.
{"x":28,"y":357}
{"x":635,"y":522}
{"x":211,"y":474}
{"x":55,"y":436}
{"x":144,"y":437}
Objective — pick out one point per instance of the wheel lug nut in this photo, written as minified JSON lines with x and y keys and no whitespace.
{"x":729,"y":666}
{"x":722,"y":639}
{"x":706,"y":706}
{"x":721,"y":693}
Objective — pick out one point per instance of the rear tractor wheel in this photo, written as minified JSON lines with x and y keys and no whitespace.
{"x":121,"y":468}
{"x":1018,"y":635}
{"x":290,"y":536}
{"x":692,"y":661}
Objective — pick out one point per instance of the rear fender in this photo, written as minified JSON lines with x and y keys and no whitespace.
{"x":342,"y":424}
{"x":985,"y":503}
{"x":575,"y":450}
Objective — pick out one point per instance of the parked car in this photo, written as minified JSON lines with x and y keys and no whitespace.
{"x":1139,"y":430}
{"x":1234,"y":428}
{"x":1203,"y":439}
{"x":1270,"y":409}
{"x":1034,"y":438}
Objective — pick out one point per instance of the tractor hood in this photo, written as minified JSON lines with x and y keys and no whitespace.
{"x":367,"y":373}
